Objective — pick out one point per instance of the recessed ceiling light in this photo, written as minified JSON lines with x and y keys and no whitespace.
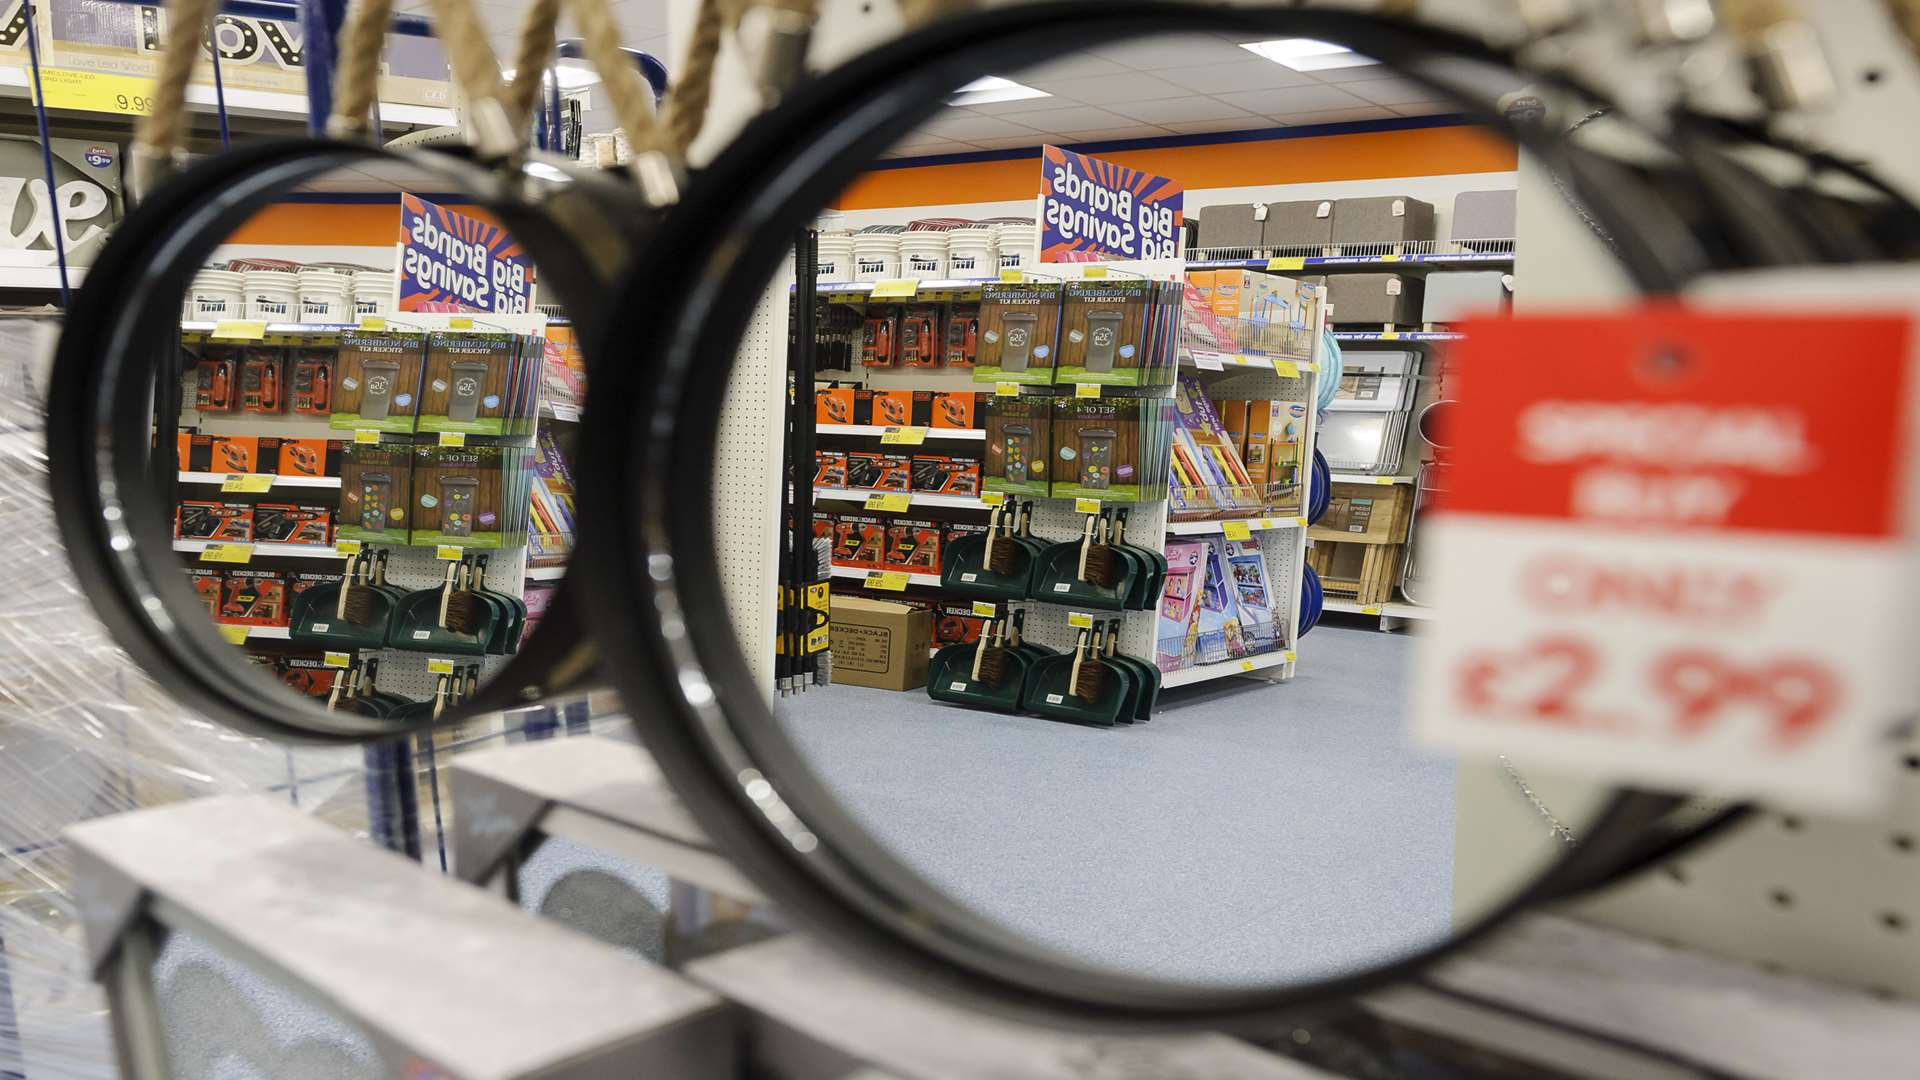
{"x":1306,"y":54}
{"x":991,"y":89}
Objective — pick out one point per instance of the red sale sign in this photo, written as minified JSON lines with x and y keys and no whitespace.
{"x":1676,"y":550}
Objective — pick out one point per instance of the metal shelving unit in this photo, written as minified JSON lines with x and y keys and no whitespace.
{"x":277,"y":481}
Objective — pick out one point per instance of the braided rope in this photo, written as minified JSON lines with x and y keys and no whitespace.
{"x":160,"y":132}
{"x":356,"y":81}
{"x":693,"y":90}
{"x":531,"y":58}
{"x":632,"y":98}
{"x":475,"y":67}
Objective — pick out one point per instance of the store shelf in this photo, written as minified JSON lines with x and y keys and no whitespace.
{"x":1206,"y":672}
{"x":278,"y":481}
{"x":288,"y":329}
{"x":1415,"y":255}
{"x":974,"y":434}
{"x":38,"y":277}
{"x":1392,"y":609}
{"x":960,"y":502}
{"x":263,"y":633}
{"x":1209,"y":360}
{"x":266,"y":551}
{"x":832,"y":288}
{"x":546,"y":573}
{"x":555,"y":411}
{"x":1364,"y":478}
{"x":1413,"y":336}
{"x":931,"y":581}
{"x":1204,"y":528}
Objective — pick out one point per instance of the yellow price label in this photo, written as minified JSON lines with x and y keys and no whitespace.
{"x":1389,"y":258}
{"x":892,"y":502}
{"x":1295,"y":263}
{"x":1389,"y":335}
{"x":985,"y":610}
{"x":1087,"y":390}
{"x":818,"y":640}
{"x":1286,"y":369}
{"x":1012,"y":277}
{"x":1079,"y":620}
{"x":459,"y":323}
{"x":365,"y":438}
{"x":372,"y":322}
{"x":234,"y":635}
{"x":1290,"y":656}
{"x":453,"y":438}
{"x":1006,"y":389}
{"x":904,"y":436}
{"x":895,"y":289}
{"x":1370,"y":611}
{"x":239,"y":330}
{"x":249,"y":482}
{"x":1246,"y":665}
{"x":346,"y":547}
{"x":337,"y":659}
{"x":449,"y":552}
{"x":1383,"y":479}
{"x":95,"y":91}
{"x":228,"y":553}
{"x":1300,"y":521}
{"x":993,"y":498}
{"x":1093,"y":272}
{"x":438,"y":666}
{"x":1086,"y":506}
{"x":1236,"y":530}
{"x":890,"y":580}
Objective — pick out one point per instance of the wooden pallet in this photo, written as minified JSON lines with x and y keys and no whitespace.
{"x":1363,"y":573}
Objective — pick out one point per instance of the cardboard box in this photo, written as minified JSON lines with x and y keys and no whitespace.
{"x":833,"y":405}
{"x":309,"y":457}
{"x":207,"y":585}
{"x":1019,"y":445}
{"x":1106,"y":448}
{"x":233,"y":454}
{"x":379,"y":384}
{"x":951,"y":409}
{"x":472,"y":383}
{"x":469,"y":496}
{"x":376,"y":489}
{"x":217,"y":521}
{"x":937,"y":475}
{"x":879,"y":643}
{"x":1366,"y":514}
{"x":1106,"y":332}
{"x":254,"y":598}
{"x":895,"y":408}
{"x":859,"y":541}
{"x":956,"y":624}
{"x":1233,"y":420}
{"x":913,"y":546}
{"x":870,"y":471}
{"x":1019,"y":333}
{"x":287,"y":523}
{"x":829,"y":469}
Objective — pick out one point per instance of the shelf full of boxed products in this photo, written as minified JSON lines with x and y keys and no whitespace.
{"x":1073,"y":391}
{"x":1386,"y":269}
{"x":407,"y":448}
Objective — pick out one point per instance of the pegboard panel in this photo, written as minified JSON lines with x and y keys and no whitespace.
{"x":403,"y":671}
{"x":747,"y":477}
{"x":1056,"y":520}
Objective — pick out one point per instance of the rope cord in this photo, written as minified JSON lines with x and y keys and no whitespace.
{"x":631,"y":96}
{"x":159,"y":133}
{"x":357,"y":70}
{"x":477,"y":70}
{"x":531,"y":58}
{"x":692,"y":92}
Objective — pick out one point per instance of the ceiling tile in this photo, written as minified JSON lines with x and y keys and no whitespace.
{"x":1023,"y":105}
{"x":1109,"y":89}
{"x":1208,"y":127}
{"x":1337,"y":116}
{"x":1429,"y":108}
{"x":1071,"y":66}
{"x":1137,"y":131}
{"x":1075,"y":118}
{"x":640,"y":18}
{"x":1014,"y":142}
{"x":958,"y":124}
{"x":1243,"y":75}
{"x":1183,"y":108}
{"x":1293,"y":99}
{"x":1162,"y":53}
{"x":1389,"y":91}
{"x":1363,"y":73}
{"x":929,"y":149}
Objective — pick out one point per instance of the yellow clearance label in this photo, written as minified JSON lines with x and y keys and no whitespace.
{"x":1236,"y":530}
{"x":890,"y":580}
{"x":449,"y":552}
{"x":892,"y":502}
{"x":895,"y":289}
{"x":1287,"y":264}
{"x":1286,"y":369}
{"x":1079,"y":620}
{"x":993,"y":498}
{"x":372,"y":322}
{"x":453,"y":438}
{"x":234,"y":635}
{"x":437,"y":666}
{"x":459,"y":323}
{"x":364,"y":438}
{"x":227,"y":553}
{"x":1093,"y":272}
{"x":337,"y":659}
{"x":904,"y":436}
{"x":1006,"y":389}
{"x":346,"y":547}
{"x":239,"y":330}
{"x":1087,"y":390}
{"x":1012,"y":277}
{"x":95,"y":91}
{"x":985,"y":610}
{"x":251,"y":482}
{"x":1086,"y":506}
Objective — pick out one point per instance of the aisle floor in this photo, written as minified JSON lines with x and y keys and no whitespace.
{"x":1250,"y":831}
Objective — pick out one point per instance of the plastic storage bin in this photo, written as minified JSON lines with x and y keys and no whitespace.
{"x":1453,"y":296}
{"x":1374,"y":298}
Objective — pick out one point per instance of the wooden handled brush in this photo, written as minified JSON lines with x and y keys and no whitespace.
{"x":358,"y":598}
{"x":1099,"y":563}
{"x":446,"y":589}
{"x":993,"y":535}
{"x":990,"y":657}
{"x":1003,"y":555}
{"x":440,"y":696}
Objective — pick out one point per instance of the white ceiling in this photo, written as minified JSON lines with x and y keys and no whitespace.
{"x":643,"y":23}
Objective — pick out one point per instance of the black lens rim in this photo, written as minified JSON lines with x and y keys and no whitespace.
{"x":655,"y":598}
{"x":110,"y":510}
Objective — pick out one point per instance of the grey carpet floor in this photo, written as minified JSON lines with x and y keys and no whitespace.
{"x":1250,"y":833}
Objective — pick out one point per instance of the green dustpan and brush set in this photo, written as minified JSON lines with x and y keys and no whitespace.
{"x":1080,"y":687}
{"x":453,"y":618}
{"x":993,"y":566}
{"x":986,"y":674}
{"x":1146,"y":677}
{"x":1087,"y":573}
{"x":1146,"y":591}
{"x":353,"y":614}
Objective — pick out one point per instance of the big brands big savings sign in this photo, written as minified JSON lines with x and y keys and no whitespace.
{"x":452,"y":262}
{"x":1094,"y":210}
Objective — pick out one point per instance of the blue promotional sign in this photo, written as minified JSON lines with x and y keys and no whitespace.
{"x":1093,"y":210}
{"x":452,"y":262}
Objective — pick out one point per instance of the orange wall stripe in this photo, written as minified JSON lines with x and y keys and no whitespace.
{"x":348,"y":224}
{"x":1373,"y":155}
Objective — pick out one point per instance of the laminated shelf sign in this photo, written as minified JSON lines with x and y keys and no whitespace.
{"x":1094,"y":211}
{"x":452,"y":262}
{"x":1676,"y":556}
